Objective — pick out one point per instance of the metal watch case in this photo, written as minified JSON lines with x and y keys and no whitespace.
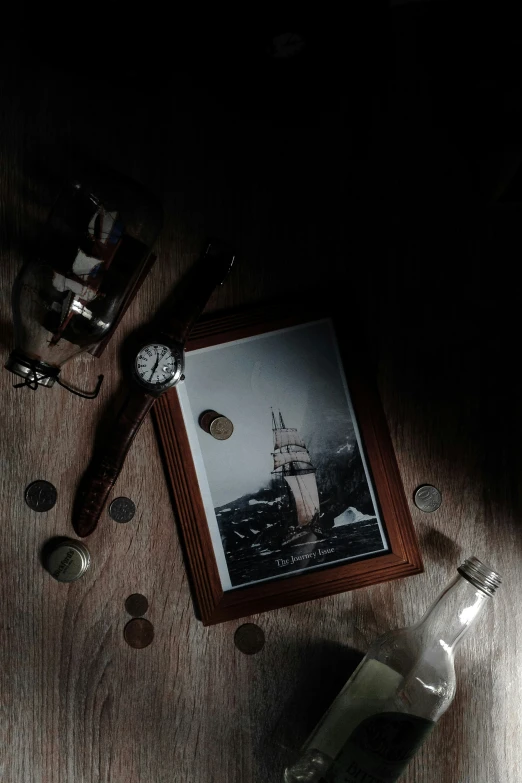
{"x":177,"y":350}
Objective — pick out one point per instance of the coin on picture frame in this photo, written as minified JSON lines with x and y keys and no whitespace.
{"x":221,"y":428}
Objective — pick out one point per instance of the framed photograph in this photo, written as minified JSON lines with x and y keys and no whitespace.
{"x":299,"y":495}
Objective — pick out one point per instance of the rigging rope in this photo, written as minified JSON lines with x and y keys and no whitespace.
{"x":37,"y":373}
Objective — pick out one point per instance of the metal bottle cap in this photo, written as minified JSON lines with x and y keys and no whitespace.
{"x":36,"y":371}
{"x":68,"y":560}
{"x":480,"y":575}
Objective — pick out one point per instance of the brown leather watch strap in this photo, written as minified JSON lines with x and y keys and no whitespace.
{"x":209,"y":271}
{"x":108,"y":460}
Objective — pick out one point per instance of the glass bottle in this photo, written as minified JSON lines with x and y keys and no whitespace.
{"x":92,"y":250}
{"x":398,"y":692}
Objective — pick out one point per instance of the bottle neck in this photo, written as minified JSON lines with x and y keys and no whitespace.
{"x":452,"y":615}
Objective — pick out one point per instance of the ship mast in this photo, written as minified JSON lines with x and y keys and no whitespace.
{"x":292,"y":462}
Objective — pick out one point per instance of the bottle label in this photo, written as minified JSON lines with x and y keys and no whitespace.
{"x":380,"y":748}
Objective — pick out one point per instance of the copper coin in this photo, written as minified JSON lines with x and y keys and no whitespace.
{"x":206,"y":419}
{"x":40,"y":495}
{"x":136,"y":605}
{"x":122,"y":509}
{"x":138,"y":633}
{"x":221,"y":428}
{"x":249,"y":638}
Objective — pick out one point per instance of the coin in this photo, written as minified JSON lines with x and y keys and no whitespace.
{"x":221,"y":428}
{"x":427,"y":498}
{"x":206,"y":419}
{"x":249,"y":638}
{"x":122,"y":509}
{"x":66,"y":559}
{"x":136,"y":605}
{"x":216,"y":424}
{"x":40,"y":495}
{"x":138,"y":633}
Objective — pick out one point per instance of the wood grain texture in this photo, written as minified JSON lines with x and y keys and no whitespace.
{"x":77,"y":705}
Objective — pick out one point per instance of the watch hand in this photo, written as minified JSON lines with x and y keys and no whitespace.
{"x":155,"y":366}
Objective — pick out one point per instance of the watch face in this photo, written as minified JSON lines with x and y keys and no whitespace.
{"x":156,"y":364}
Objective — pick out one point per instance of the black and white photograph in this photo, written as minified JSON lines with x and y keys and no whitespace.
{"x":290,"y":490}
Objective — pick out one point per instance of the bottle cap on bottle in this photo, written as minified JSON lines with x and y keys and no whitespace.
{"x":480,"y":575}
{"x":67,"y":560}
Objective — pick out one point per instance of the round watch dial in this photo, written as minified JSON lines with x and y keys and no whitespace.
{"x":156,"y":364}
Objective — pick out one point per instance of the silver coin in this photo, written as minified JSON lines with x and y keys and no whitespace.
{"x":40,"y":495}
{"x":221,"y":428}
{"x":427,"y":498}
{"x":122,"y":509}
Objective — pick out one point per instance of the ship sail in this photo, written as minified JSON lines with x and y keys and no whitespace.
{"x":284,"y":458}
{"x":287,"y":437}
{"x":292,"y":461}
{"x":306,"y":496}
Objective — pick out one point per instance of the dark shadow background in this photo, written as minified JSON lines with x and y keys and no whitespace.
{"x":321,"y":670}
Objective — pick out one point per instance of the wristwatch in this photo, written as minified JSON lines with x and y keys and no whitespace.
{"x":157,"y":366}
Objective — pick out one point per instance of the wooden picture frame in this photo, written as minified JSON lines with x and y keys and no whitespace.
{"x":180,"y":435}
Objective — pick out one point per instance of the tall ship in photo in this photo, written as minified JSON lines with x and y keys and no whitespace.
{"x":310,"y":513}
{"x":293,"y":464}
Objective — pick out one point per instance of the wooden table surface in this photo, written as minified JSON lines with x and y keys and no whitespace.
{"x":429,"y":267}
